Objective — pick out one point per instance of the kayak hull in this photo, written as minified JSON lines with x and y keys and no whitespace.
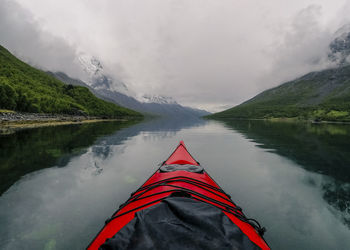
{"x":198,"y":185}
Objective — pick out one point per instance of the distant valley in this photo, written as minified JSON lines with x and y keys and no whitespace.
{"x":150,"y":105}
{"x":113,"y":90}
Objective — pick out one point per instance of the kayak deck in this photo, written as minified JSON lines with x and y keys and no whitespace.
{"x":179,"y":176}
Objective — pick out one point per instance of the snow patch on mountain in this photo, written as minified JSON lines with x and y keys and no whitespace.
{"x":160,"y":99}
{"x":108,"y":87}
{"x":340,"y":46}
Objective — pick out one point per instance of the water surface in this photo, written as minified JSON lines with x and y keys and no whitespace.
{"x":62,"y":183}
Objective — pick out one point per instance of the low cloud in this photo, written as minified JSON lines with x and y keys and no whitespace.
{"x":21,"y":34}
{"x":303,"y":47}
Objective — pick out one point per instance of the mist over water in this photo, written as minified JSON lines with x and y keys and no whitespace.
{"x":293,"y":178}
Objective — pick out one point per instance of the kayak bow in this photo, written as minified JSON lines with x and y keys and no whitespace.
{"x":180,"y":206}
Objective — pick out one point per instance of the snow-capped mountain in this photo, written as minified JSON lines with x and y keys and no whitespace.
{"x":96,"y":76}
{"x":110,"y":89}
{"x":107,"y":87}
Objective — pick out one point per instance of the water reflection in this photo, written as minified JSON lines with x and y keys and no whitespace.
{"x":34,"y":149}
{"x":320,"y":148}
{"x":153,"y":129}
{"x":337,"y":194}
{"x":64,"y":205}
{"x":29,"y":150}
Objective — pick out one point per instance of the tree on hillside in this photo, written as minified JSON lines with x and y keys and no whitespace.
{"x":8,"y":95}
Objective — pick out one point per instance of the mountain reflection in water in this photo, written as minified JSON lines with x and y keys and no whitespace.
{"x":320,"y":148}
{"x":33,"y":149}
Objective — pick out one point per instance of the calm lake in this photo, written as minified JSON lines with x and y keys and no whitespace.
{"x":59,"y":184}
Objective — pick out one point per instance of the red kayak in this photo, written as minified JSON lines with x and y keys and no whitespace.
{"x":180,"y":207}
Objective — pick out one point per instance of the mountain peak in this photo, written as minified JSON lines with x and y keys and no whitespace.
{"x":91,"y":65}
{"x":96,"y":77}
{"x":340,"y":46}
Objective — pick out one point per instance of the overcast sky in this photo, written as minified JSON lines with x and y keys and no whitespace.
{"x":211,"y":54}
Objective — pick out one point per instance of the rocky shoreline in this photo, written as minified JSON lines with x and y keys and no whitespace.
{"x":9,"y":117}
{"x":11,"y":121}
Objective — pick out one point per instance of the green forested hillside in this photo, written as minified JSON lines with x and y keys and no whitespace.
{"x":323,"y":95}
{"x":24,"y":88}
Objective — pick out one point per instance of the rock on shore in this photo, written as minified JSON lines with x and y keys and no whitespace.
{"x":9,"y":117}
